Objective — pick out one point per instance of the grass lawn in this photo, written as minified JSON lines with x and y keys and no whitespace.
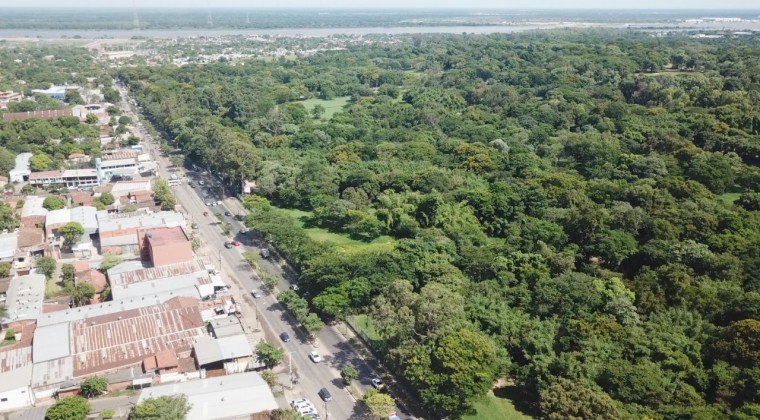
{"x":331,"y":107}
{"x":342,"y":242}
{"x":52,"y":289}
{"x":365,"y":324}
{"x":729,"y":198}
{"x":493,"y":407}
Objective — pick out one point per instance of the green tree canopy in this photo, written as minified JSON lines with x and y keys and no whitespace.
{"x":174,"y":407}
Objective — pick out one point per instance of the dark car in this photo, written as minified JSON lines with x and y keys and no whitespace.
{"x":285,"y":337}
{"x":325,"y":394}
{"x":228,"y":214}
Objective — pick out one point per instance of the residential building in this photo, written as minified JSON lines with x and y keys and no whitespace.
{"x":225,"y":327}
{"x":96,"y":279}
{"x":166,"y":245}
{"x":7,"y":96}
{"x":33,"y":213}
{"x":8,"y":246}
{"x":233,"y":396}
{"x":163,"y":362}
{"x":24,"y":297}
{"x":71,"y":178}
{"x":119,"y":232}
{"x":223,"y":356}
{"x":15,"y":378}
{"x":133,"y":279}
{"x":22,"y":170}
{"x":85,"y":216}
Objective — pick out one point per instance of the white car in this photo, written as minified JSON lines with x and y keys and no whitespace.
{"x":315,"y":357}
{"x":306,"y":406}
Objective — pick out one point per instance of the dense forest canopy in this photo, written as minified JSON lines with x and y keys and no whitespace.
{"x":579,"y":211}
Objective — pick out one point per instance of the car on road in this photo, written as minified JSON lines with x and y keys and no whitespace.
{"x":201,"y":182}
{"x":228,"y":214}
{"x":227,"y":245}
{"x":264,"y":253}
{"x":294,"y":287}
{"x":285,"y":337}
{"x":194,"y":226}
{"x":256,"y":294}
{"x":377,"y":384}
{"x":235,"y":243}
{"x":315,"y":357}
{"x":325,"y":394}
{"x":209,"y":203}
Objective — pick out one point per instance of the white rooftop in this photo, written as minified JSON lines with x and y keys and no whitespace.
{"x":208,"y":350}
{"x":33,"y":206}
{"x":132,"y":279}
{"x":51,"y":342}
{"x":119,"y":221}
{"x":8,"y":245}
{"x":16,"y":378}
{"x":22,"y":162}
{"x":52,"y":372}
{"x":58,"y":217}
{"x":221,"y":397}
{"x":25,"y":296}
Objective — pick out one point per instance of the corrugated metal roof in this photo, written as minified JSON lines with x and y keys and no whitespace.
{"x":208,"y":350}
{"x":16,"y":378}
{"x":226,"y":327}
{"x":25,"y":296}
{"x":221,"y":397}
{"x":51,"y":373}
{"x":8,"y":245}
{"x":15,"y":358}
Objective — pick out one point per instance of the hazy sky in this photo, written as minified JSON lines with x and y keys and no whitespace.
{"x":474,"y":4}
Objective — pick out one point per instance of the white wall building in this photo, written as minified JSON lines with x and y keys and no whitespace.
{"x":21,"y":172}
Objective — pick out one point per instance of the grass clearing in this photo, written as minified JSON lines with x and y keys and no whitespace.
{"x":729,"y":198}
{"x":331,"y":107}
{"x":52,"y":289}
{"x":493,"y":407}
{"x":342,"y":242}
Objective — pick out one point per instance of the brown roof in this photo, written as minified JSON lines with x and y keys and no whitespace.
{"x":166,"y":236}
{"x":93,"y":277}
{"x":56,"y":113}
{"x":30,"y":236}
{"x":46,"y":174}
{"x":83,"y":199}
{"x":53,"y":307}
{"x":77,"y":156}
{"x":4,"y":285}
{"x":149,"y":363}
{"x":109,"y":342}
{"x":166,"y":359}
{"x":80,"y":265}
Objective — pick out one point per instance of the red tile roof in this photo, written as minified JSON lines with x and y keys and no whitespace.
{"x":30,"y":236}
{"x":93,"y":277}
{"x":53,"y":307}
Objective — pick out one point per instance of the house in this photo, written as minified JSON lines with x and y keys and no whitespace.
{"x":82,"y":199}
{"x":7,"y":96}
{"x":15,"y":378}
{"x":78,"y":158}
{"x":166,"y":245}
{"x":31,"y":243}
{"x":70,"y":178}
{"x":33,"y":213}
{"x":22,"y":170}
{"x":96,"y":279}
{"x":225,"y":327}
{"x":85,"y":216}
{"x":24,"y":297}
{"x":232,"y":396}
{"x":8,"y":246}
{"x":119,"y":232}
{"x":4,"y":285}
{"x":133,"y":279}
{"x":224,"y":355}
{"x":165,"y":361}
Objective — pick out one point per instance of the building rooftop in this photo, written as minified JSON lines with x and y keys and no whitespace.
{"x":208,"y":350}
{"x":58,"y":217}
{"x":33,"y":206}
{"x":51,"y":342}
{"x":130,"y":280}
{"x":22,"y":161}
{"x":50,"y":373}
{"x":93,"y":277}
{"x":122,"y":221}
{"x":30,"y":236}
{"x":121,"y":339}
{"x":221,"y":397}
{"x":85,"y":216}
{"x":8,"y":245}
{"x":16,"y":378}
{"x":15,"y":358}
{"x":226,"y":327}
{"x":166,"y":236}
{"x":25,"y":296}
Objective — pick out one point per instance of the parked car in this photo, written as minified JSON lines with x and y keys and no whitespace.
{"x":235,"y":243}
{"x":264,"y":253}
{"x":294,"y":403}
{"x":325,"y":394}
{"x":228,"y":214}
{"x":227,"y":245}
{"x":294,"y":287}
{"x":315,"y":357}
{"x":378,"y":384}
{"x":256,"y":294}
{"x":243,"y":231}
{"x":285,"y":337}
{"x":201,"y":182}
{"x":194,"y":226}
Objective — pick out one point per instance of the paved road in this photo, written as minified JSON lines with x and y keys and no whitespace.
{"x":333,"y":347}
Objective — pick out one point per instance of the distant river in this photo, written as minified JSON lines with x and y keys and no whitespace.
{"x":308,"y":32}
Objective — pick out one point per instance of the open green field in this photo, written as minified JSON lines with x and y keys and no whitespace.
{"x":331,"y":107}
{"x":729,"y":198}
{"x":493,"y":407}
{"x":342,"y":242}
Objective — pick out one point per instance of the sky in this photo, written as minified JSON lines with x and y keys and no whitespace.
{"x":470,"y":4}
